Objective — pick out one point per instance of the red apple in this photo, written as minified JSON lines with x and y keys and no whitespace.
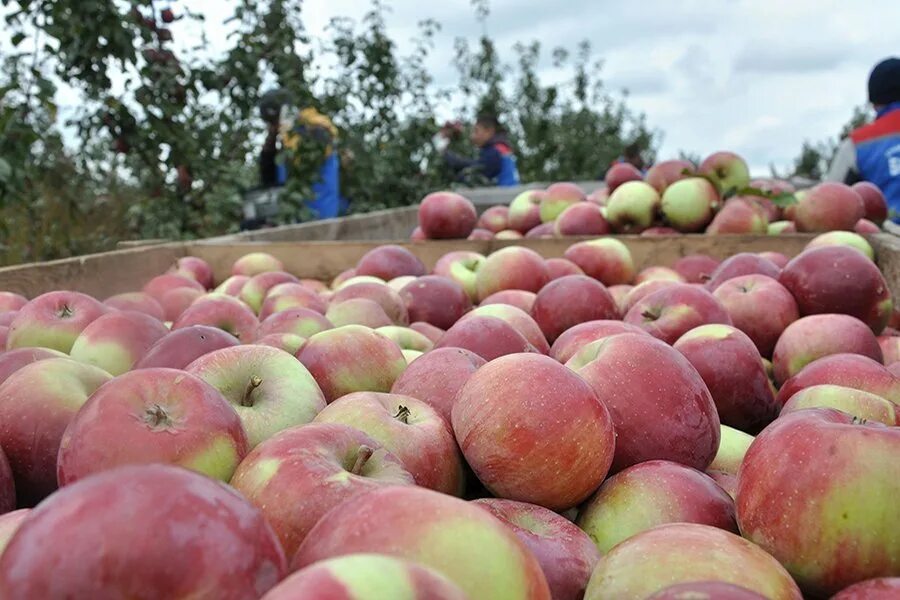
{"x":866,"y":227}
{"x":659,"y":404}
{"x":417,"y":235}
{"x":436,"y":300}
{"x":583,"y":218}
{"x":409,"y":429}
{"x":744,"y":263}
{"x":665,"y":173}
{"x":342,"y":277}
{"x":781,"y":227}
{"x":511,"y":268}
{"x":461,"y":266}
{"x":150,"y":531}
{"x":389,"y":261}
{"x":829,"y":206}
{"x":10,"y":301}
{"x":843,"y":238}
{"x":138,"y":301}
{"x":848,"y":370}
{"x":487,"y":336}
{"x":571,"y":300}
{"x":299,"y":321}
{"x":177,"y":300}
{"x":524,"y":451}
{"x":632,"y":207}
{"x":153,"y":416}
{"x":696,"y":268}
{"x":641,"y":291}
{"x":525,"y":211}
{"x":567,"y":556}
{"x":521,"y":299}
{"x":726,"y":169}
{"x":357,"y":311}
{"x":37,"y":402}
{"x":658,"y":273}
{"x":233,"y":285}
{"x":461,"y":540}
{"x":352,"y":359}
{"x":288,"y":342}
{"x":225,"y":312}
{"x":560,"y":267}
{"x":494,"y":219}
{"x":606,"y":259}
{"x":842,"y":280}
{"x":739,"y":216}
{"x":178,"y":349}
{"x":705,"y":590}
{"x":857,"y":403}
{"x":9,"y":525}
{"x":688,"y":205}
{"x":621,"y":173}
{"x":116,"y":341}
{"x":53,"y":320}
{"x":255,"y":263}
{"x":890,"y":348}
{"x":671,"y":312}
{"x":653,"y":493}
{"x":269,"y":389}
{"x":659,"y":231}
{"x":13,"y":360}
{"x":760,"y":307}
{"x":436,"y":377}
{"x":428,"y":330}
{"x":300,"y":474}
{"x":292,"y":295}
{"x":196,"y":268}
{"x":849,"y":491}
{"x":255,"y":289}
{"x":484,"y":234}
{"x":557,"y":198}
{"x":575,"y":338}
{"x":544,"y":230}
{"x":357,"y":576}
{"x":776,"y":258}
{"x":446,"y":215}
{"x":620,"y":294}
{"x":520,"y":320}
{"x":874,"y":205}
{"x":815,"y":336}
{"x":880,"y":588}
{"x":730,"y":365}
{"x":690,"y":552}
{"x":159,"y":285}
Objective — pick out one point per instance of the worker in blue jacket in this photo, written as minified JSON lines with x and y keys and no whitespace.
{"x":496,"y":161}
{"x":872,"y":152}
{"x":288,"y":125}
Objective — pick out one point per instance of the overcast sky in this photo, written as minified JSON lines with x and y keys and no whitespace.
{"x":756,"y":76}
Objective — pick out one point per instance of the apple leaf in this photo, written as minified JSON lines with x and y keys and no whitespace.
{"x":784,"y":199}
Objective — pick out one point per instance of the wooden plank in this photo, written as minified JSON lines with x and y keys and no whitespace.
{"x":100,"y":275}
{"x":887,"y":255}
{"x":382,"y":225}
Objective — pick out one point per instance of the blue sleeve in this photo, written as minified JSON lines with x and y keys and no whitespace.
{"x":490,"y":161}
{"x":457,"y":162}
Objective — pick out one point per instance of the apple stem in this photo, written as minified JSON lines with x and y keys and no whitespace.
{"x":156,"y":416}
{"x":66,"y":312}
{"x":650,"y":315}
{"x":403,"y":414}
{"x":254,"y":383}
{"x":362,"y":457}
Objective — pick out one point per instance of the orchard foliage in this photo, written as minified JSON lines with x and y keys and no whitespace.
{"x":165,"y":133}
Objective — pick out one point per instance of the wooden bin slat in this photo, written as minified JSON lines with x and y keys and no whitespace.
{"x":100,"y":275}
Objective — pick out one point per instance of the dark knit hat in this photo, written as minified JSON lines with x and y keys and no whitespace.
{"x":884,"y":82}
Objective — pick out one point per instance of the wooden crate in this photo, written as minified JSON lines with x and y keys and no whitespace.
{"x":103,"y":275}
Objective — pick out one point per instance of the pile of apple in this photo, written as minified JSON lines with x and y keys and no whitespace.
{"x":505,"y":427}
{"x":718,"y":197}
